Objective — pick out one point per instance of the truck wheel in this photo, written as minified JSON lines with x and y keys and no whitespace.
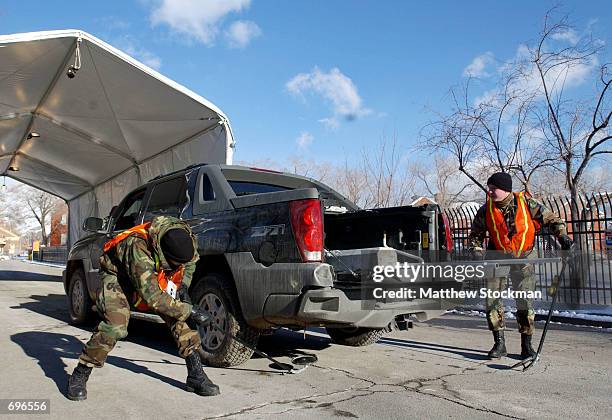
{"x":355,"y":336}
{"x":215,"y":295}
{"x":79,"y":302}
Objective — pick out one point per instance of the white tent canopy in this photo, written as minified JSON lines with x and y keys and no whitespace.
{"x":92,"y":138}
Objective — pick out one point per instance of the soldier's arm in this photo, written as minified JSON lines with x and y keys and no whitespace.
{"x":478,"y":232}
{"x":188,"y":273}
{"x":141,"y":267}
{"x":547,"y":218}
{"x":190,"y":267}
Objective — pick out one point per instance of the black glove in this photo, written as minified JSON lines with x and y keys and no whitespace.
{"x":477,"y":254}
{"x":182,"y":293}
{"x":566,"y":243}
{"x":200,"y":316}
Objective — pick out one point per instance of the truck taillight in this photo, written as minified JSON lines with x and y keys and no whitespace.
{"x":307,"y":223}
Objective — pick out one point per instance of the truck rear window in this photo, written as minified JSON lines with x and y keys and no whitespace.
{"x":247,"y":188}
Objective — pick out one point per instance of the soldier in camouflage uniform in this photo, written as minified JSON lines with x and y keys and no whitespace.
{"x":130,"y":269}
{"x":522,"y":275}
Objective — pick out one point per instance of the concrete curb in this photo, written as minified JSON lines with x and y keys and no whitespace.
{"x":44,"y":263}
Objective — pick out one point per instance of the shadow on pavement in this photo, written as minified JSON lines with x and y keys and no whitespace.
{"x":471,"y":354}
{"x":52,"y":305}
{"x":158,"y":337}
{"x":49,"y":349}
{"x":291,"y":343}
{"x":148,"y":334}
{"x":6,"y":275}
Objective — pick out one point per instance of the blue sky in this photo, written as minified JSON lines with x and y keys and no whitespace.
{"x":288,"y":73}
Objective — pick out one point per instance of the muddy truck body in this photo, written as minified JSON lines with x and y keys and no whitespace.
{"x":276,"y":250}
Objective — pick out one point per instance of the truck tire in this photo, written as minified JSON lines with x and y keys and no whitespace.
{"x":215,"y":295}
{"x":355,"y":336}
{"x":79,"y":302}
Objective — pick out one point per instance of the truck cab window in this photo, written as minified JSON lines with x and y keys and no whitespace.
{"x":128,"y":217}
{"x":167,"y":199}
{"x":208,"y":194}
{"x":247,"y":188}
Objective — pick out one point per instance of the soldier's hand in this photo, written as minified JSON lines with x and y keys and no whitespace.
{"x":200,"y":316}
{"x":183,"y":293}
{"x":566,"y":243}
{"x":477,"y":254}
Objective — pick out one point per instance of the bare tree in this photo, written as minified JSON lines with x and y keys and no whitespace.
{"x":577,"y":131}
{"x":351,"y":182}
{"x":441,"y":180}
{"x":493,"y":132}
{"x":455,"y":136}
{"x":29,"y":203}
{"x":388,"y":178}
{"x":532,"y":121}
{"x":319,"y":170}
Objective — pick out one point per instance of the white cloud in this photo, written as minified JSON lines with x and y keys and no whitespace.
{"x":147,"y":58}
{"x":557,"y":78}
{"x":489,"y":97}
{"x":304,"y":140}
{"x":241,"y":32}
{"x":477,"y":68}
{"x":113,"y":23}
{"x":197,"y":19}
{"x":335,"y":88}
{"x":332,"y":123}
{"x":130,"y":46}
{"x":568,"y":35}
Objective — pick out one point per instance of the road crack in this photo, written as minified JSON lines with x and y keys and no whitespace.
{"x":416,"y":385}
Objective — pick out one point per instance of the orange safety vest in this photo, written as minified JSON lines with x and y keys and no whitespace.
{"x":522,"y":241}
{"x":167,"y":284}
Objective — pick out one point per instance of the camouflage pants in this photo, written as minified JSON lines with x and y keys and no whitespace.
{"x":523,"y":278}
{"x":114,"y":308}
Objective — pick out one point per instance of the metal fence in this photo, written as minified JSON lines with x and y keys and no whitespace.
{"x":51,"y":254}
{"x":590,"y":226}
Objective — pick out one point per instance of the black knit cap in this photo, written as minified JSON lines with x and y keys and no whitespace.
{"x":501,"y":180}
{"x":177,"y":245}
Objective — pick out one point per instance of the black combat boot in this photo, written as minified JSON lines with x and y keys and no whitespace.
{"x":197,"y":381}
{"x":499,"y":348}
{"x":77,"y":390}
{"x":526,"y":350}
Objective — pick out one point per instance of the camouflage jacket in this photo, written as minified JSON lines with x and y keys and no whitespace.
{"x":508,"y":206}
{"x":133,"y":263}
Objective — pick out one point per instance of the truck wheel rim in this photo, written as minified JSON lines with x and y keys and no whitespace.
{"x":213,"y":338}
{"x":77,"y":297}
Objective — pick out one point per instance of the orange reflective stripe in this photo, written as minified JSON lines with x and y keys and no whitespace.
{"x":140,"y":229}
{"x":162,"y":281}
{"x":522,"y":204}
{"x":498,"y":242}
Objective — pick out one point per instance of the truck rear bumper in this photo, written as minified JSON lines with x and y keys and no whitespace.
{"x":285,"y":294}
{"x":331,"y":306}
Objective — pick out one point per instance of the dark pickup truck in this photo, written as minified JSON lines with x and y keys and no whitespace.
{"x":277,"y":250}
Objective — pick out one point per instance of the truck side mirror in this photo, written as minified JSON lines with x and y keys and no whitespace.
{"x":93,"y":224}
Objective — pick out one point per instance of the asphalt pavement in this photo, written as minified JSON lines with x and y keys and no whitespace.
{"x":439,"y":369}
